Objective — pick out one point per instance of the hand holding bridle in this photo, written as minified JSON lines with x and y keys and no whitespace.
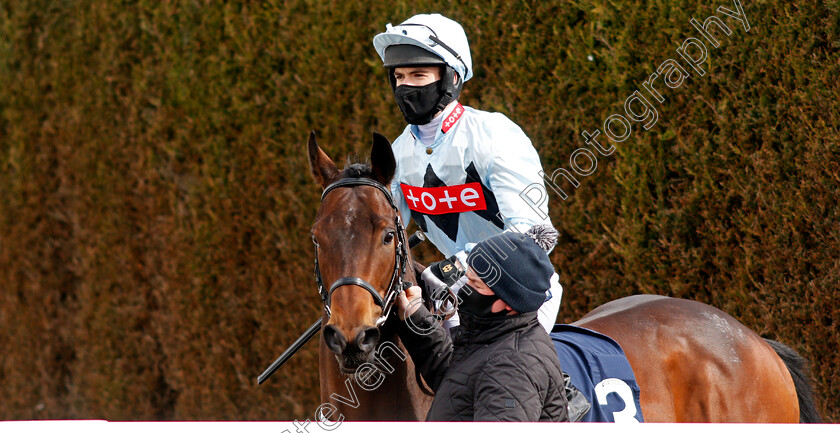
{"x":409,"y":301}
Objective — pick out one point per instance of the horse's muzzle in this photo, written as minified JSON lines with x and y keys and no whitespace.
{"x":351,"y":354}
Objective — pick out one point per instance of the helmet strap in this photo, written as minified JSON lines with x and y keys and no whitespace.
{"x":450,"y":87}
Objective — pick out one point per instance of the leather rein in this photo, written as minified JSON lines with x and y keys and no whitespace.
{"x":396,"y":285}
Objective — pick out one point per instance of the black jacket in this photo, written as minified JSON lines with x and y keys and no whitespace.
{"x":499,"y":369}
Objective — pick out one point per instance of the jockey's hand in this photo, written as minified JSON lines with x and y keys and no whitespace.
{"x":409,"y":301}
{"x":442,"y":274}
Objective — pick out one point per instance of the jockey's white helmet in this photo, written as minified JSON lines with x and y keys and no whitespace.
{"x":434,"y":33}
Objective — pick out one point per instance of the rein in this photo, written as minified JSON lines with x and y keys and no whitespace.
{"x":396,"y":285}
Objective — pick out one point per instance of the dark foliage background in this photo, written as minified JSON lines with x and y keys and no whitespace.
{"x":155,"y":198}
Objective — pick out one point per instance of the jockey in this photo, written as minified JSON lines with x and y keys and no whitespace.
{"x":462,"y":174}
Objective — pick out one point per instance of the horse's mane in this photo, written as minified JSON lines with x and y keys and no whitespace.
{"x":357,"y":169}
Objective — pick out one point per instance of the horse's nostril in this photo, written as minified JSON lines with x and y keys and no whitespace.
{"x":367,"y":339}
{"x":334,"y":339}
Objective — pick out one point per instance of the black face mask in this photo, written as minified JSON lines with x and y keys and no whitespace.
{"x":418,"y":103}
{"x":477,"y":304}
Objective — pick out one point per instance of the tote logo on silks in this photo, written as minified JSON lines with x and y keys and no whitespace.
{"x":444,"y":199}
{"x":450,"y":121}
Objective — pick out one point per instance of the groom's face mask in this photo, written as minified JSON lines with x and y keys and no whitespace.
{"x":477,"y":304}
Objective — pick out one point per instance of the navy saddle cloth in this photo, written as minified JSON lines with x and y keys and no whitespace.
{"x":599,"y":369}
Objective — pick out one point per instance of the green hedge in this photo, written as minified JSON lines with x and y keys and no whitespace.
{"x":155,"y":197}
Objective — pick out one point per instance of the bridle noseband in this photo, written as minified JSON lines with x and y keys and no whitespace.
{"x":396,"y":285}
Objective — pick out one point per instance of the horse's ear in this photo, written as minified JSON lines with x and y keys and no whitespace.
{"x":323,"y":168}
{"x":382,"y":159}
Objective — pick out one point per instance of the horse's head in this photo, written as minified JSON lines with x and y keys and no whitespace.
{"x":360,"y":250}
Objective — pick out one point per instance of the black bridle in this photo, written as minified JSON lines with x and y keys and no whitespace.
{"x":396,"y":285}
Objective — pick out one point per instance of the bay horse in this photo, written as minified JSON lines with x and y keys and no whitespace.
{"x":692,"y":361}
{"x":358,"y":234}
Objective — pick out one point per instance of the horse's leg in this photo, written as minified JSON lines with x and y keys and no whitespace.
{"x":695,"y":363}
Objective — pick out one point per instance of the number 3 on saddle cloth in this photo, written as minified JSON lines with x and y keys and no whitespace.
{"x":600,"y":370}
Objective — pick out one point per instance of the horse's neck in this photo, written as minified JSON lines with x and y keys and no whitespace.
{"x":390,"y":392}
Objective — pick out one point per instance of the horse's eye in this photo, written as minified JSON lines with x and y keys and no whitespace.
{"x":389,"y":237}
